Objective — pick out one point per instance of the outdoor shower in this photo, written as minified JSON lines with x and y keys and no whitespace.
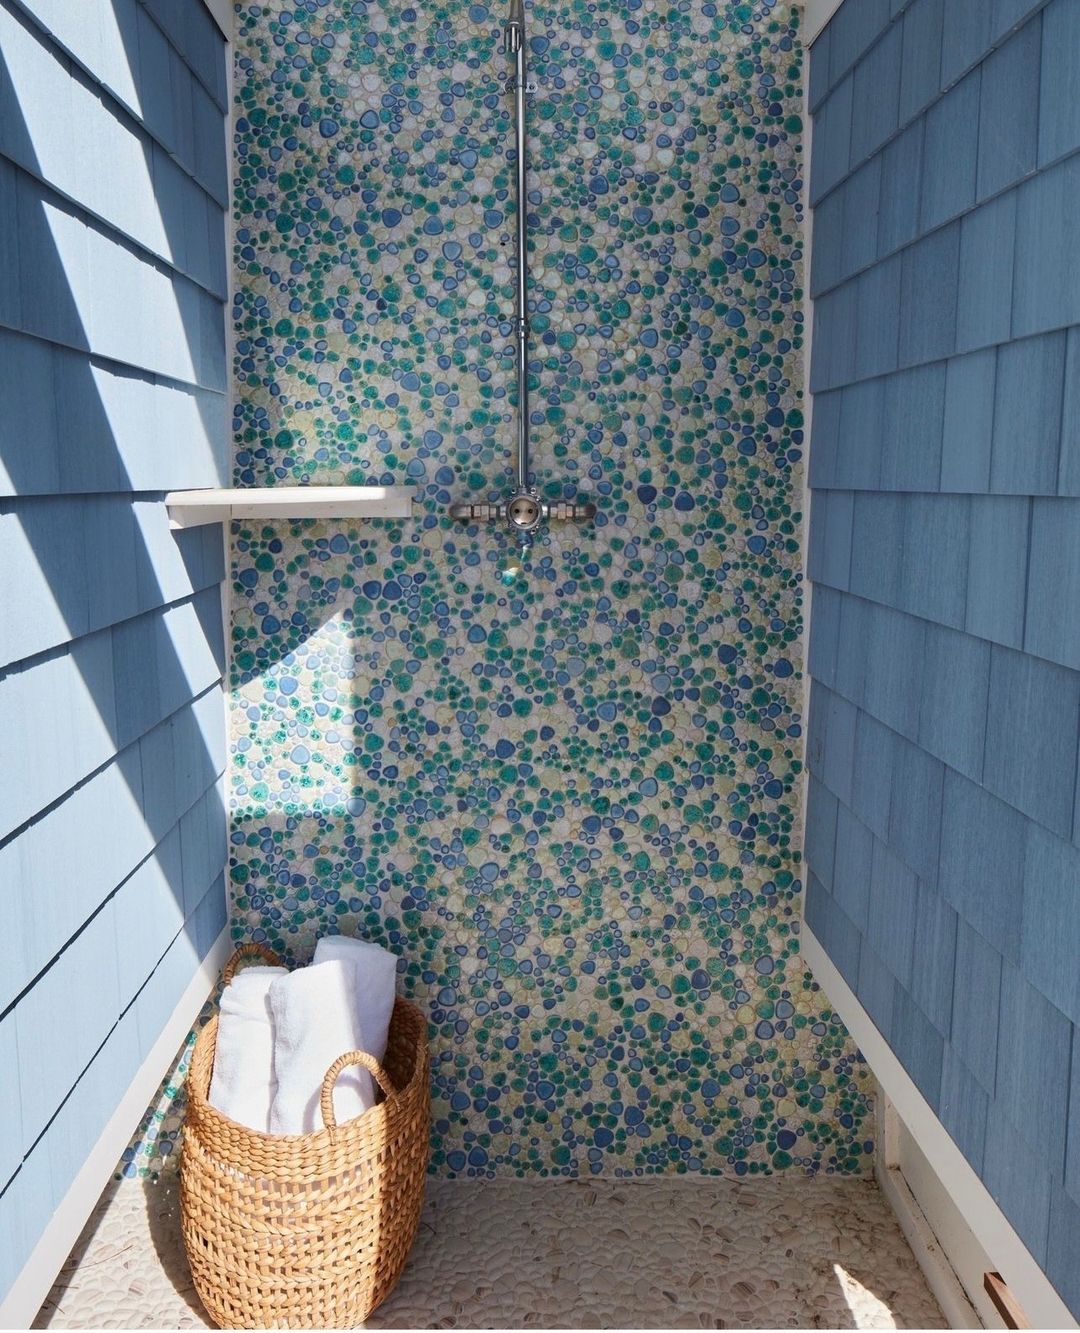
{"x":524,"y":510}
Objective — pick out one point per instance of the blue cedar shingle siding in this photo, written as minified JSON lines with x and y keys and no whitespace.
{"x":876,"y":326}
{"x":1036,"y":1037}
{"x":1009,"y":111}
{"x":963,"y":1106}
{"x":859,"y":196}
{"x":862,"y":409}
{"x":853,"y":866}
{"x":1054,"y":581}
{"x":950,"y":154}
{"x":1008,"y":15}
{"x":1050,"y":922}
{"x":1059,"y":108}
{"x":1030,"y":764}
{"x":1072,"y":1146}
{"x":943,"y":838}
{"x":998,"y":569}
{"x":875,"y":987}
{"x":928,"y":295}
{"x":968,"y":422}
{"x":953,"y":702}
{"x":965,"y":37}
{"x":1009,"y":1166}
{"x":984,"y":290}
{"x":901,"y":184}
{"x":1046,"y":292}
{"x":934,"y":957}
{"x":875,"y":95}
{"x":920,"y":71}
{"x":113,"y":181}
{"x":1069,"y":460}
{"x":831,"y":149}
{"x":1028,"y":394}
{"x":976,"y":1004}
{"x":852,"y":34}
{"x":913,"y":421}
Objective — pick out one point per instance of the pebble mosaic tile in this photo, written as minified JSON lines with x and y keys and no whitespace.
{"x":155,"y":1144}
{"x":660,"y":1253}
{"x":568,"y":797}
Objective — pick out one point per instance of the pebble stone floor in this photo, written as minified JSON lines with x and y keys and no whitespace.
{"x":784,"y":1252}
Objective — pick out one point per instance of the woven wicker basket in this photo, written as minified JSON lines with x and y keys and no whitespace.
{"x":306,"y":1230}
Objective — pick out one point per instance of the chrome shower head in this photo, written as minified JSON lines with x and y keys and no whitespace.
{"x":514,"y":28}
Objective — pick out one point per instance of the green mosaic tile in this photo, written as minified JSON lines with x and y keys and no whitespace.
{"x":570,"y":799}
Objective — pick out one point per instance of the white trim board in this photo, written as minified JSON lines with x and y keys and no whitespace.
{"x":19,"y":1308}
{"x":1030,"y":1285}
{"x":215,"y":504}
{"x":940,"y":1277}
{"x":818,"y":13}
{"x":928,"y":1245}
{"x":221,"y":11}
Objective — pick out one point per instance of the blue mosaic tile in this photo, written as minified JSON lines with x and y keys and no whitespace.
{"x":568,"y":800}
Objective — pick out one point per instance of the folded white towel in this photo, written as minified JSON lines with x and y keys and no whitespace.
{"x":242,"y":1085}
{"x":376,"y":972}
{"x":315,"y":1021}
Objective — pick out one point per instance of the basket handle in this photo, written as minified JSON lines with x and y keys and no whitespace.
{"x":368,"y":1062}
{"x":245,"y":953}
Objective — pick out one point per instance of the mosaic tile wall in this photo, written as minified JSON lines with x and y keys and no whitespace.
{"x":568,"y":800}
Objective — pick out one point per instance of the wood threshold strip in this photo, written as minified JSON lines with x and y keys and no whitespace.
{"x":1005,"y":1302}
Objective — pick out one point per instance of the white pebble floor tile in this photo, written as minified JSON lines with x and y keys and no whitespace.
{"x":783,"y":1252}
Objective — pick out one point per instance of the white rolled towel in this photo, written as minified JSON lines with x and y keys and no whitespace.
{"x":315,"y":1022}
{"x":242,"y":1084}
{"x":376,"y":973}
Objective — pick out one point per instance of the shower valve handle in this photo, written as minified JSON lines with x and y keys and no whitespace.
{"x":523,"y":513}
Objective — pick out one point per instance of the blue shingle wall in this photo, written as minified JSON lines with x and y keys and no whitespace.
{"x":113,"y":181}
{"x":943,"y":832}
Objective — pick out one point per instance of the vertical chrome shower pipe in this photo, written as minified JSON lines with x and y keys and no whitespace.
{"x":514,"y":44}
{"x":523,"y":511}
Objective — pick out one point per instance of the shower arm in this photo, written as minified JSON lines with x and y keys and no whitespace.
{"x":524,"y":511}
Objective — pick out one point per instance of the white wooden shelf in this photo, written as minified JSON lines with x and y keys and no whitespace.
{"x":191,"y":509}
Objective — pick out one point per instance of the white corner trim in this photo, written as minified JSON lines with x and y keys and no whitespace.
{"x":221,"y":11}
{"x":1032,"y":1288}
{"x":24,"y":1300}
{"x":818,"y":13}
{"x":940,"y":1276}
{"x":926,"y":1246}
